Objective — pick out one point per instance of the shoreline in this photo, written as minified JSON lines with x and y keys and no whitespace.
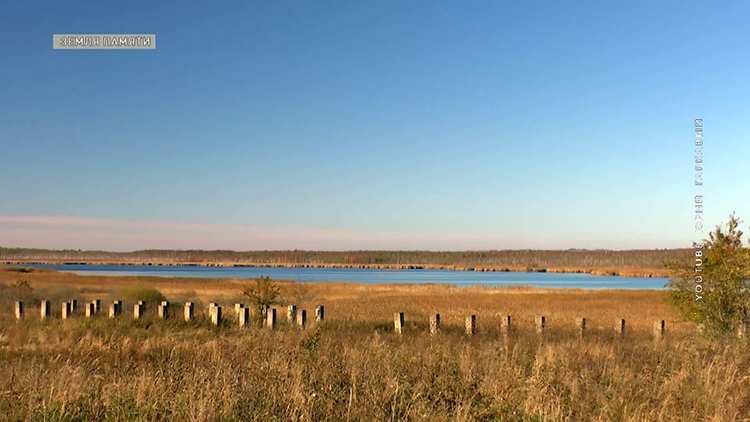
{"x":621,"y":272}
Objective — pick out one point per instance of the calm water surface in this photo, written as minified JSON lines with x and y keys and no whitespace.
{"x":376,"y":276}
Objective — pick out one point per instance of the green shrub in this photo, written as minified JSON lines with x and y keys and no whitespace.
{"x":145,"y":293}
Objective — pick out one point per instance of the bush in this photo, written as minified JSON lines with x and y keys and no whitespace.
{"x":264,"y":294}
{"x":145,"y":293}
{"x":713,"y":289}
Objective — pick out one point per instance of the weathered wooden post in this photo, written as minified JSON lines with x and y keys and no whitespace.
{"x":581,"y":327}
{"x":97,"y":305}
{"x":541,"y":324}
{"x":45,"y":310}
{"x":65,"y":310}
{"x":398,"y":322}
{"x":90,"y":309}
{"x":659,"y":328}
{"x":271,"y":318}
{"x":302,"y":318}
{"x":319,"y":313}
{"x":620,"y":327}
{"x":19,"y":310}
{"x":471,"y":324}
{"x":291,"y":313}
{"x":244,"y":316}
{"x":138,"y":310}
{"x":189,"y":311}
{"x":163,"y":310}
{"x":216,"y":315}
{"x":434,"y":324}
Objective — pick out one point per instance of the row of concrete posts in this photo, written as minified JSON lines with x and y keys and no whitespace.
{"x":506,"y":324}
{"x":214,"y":311}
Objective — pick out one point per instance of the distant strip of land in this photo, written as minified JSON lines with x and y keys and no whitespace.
{"x":630,"y":263}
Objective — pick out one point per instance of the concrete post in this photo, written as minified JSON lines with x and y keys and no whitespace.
{"x":73,"y":306}
{"x":65,"y":310}
{"x":138,"y":310}
{"x":659,"y":329}
{"x":90,"y":308}
{"x":471,"y":324}
{"x":244,"y":317}
{"x":291,"y":313}
{"x":45,"y":309}
{"x":189,"y":311}
{"x":238,"y":308}
{"x":434,"y":324}
{"x":302,"y":318}
{"x":216,"y":315}
{"x":113,"y":310}
{"x":97,"y":305}
{"x":163,"y":310}
{"x":620,"y":327}
{"x":319,"y":313}
{"x":581,"y":327}
{"x":505,"y":325}
{"x":398,"y":322}
{"x":271,"y":318}
{"x":19,"y":311}
{"x":541,"y":324}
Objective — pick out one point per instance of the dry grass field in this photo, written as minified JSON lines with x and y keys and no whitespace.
{"x":354,"y":367}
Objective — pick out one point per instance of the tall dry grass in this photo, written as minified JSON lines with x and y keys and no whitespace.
{"x":355,"y":368}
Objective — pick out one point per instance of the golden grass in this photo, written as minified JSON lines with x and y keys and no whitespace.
{"x":355,"y":368}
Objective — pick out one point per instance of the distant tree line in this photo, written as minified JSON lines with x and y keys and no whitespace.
{"x":576,"y":258}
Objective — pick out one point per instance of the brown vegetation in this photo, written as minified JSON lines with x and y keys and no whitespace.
{"x":354,"y":367}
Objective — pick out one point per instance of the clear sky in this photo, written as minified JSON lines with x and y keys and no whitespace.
{"x":372,"y":124}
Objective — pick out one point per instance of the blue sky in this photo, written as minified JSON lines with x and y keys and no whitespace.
{"x":372,"y":125}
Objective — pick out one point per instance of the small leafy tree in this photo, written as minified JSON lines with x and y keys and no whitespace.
{"x":264,"y":294}
{"x":713,"y":288}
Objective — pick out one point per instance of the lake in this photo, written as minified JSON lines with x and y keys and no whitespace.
{"x":376,"y":276}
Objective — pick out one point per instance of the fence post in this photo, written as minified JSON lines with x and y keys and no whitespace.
{"x":291,"y":313}
{"x":189,"y":311}
{"x":271,"y":318}
{"x":216,"y":315}
{"x":319,"y":313}
{"x":620,"y":327}
{"x":65,"y":310}
{"x":19,"y":311}
{"x":163,"y":310}
{"x":434,"y":324}
{"x":659,"y":328}
{"x":581,"y":326}
{"x":471,"y":324}
{"x":541,"y":324}
{"x":118,"y":307}
{"x":90,"y":309}
{"x":138,"y":310}
{"x":505,"y":325}
{"x":97,"y":305}
{"x":302,"y":318}
{"x":398,"y":322}
{"x":73,"y":306}
{"x":238,"y":308}
{"x":45,"y":310}
{"x":244,"y":316}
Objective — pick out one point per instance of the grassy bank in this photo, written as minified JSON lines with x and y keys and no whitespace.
{"x":354,"y":367}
